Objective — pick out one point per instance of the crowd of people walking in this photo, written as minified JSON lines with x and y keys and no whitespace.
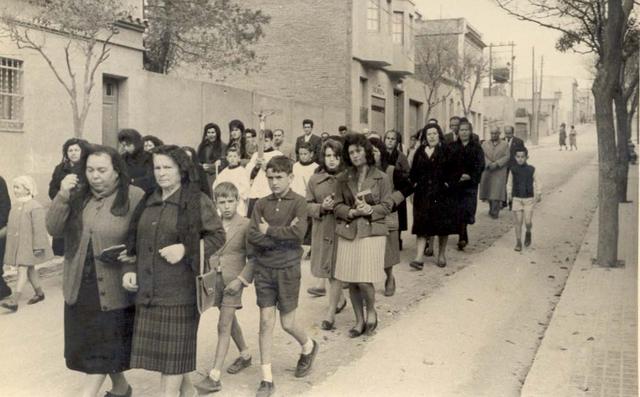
{"x":134,"y":225}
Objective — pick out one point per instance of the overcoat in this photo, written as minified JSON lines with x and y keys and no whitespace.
{"x":472,"y":165}
{"x":26,"y":232}
{"x":493,"y":185}
{"x":323,"y":237}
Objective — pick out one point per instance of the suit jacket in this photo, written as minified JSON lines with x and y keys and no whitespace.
{"x":316,"y":144}
{"x":233,"y":256}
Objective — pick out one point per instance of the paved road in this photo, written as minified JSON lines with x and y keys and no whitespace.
{"x":31,"y":340}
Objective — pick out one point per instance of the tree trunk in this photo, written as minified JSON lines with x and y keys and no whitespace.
{"x":622,"y":134}
{"x":607,"y":192}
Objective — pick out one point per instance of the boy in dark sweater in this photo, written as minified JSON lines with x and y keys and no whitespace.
{"x":523,"y":191}
{"x":277,"y":228}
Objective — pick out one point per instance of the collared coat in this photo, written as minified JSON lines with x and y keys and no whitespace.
{"x":104,"y":230}
{"x":472,"y":165}
{"x":233,"y":256}
{"x":378,"y":183}
{"x":323,"y":237}
{"x":26,"y":232}
{"x":493,"y":185}
{"x":316,"y":145}
{"x":159,"y":282}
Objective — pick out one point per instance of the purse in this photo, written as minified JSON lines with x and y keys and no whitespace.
{"x":206,"y":280}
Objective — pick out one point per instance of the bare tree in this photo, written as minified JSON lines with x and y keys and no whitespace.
{"x":435,"y":62}
{"x":625,"y":110}
{"x":86,"y":27}
{"x":469,"y":72}
{"x":597,"y":27}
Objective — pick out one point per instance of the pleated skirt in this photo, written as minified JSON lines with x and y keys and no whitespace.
{"x":165,"y":339}
{"x":361,"y":260}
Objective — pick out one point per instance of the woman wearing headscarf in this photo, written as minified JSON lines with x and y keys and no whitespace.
{"x":435,"y":173}
{"x":151,"y":141}
{"x":98,"y":312}
{"x":211,"y":151}
{"x":139,"y":165}
{"x":74,"y":151}
{"x":165,"y":235}
{"x":395,"y":157}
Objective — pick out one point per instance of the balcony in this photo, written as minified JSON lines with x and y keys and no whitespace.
{"x":371,"y":47}
{"x":403,"y":61}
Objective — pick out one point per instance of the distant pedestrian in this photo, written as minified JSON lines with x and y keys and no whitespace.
{"x":98,"y":313}
{"x":472,"y":167}
{"x":5,"y":207}
{"x":494,"y":178}
{"x":361,"y":209}
{"x":310,"y":137}
{"x":573,"y":138}
{"x":562,"y":136}
{"x":74,"y":151}
{"x":435,"y":173}
{"x":343,"y":130}
{"x":523,"y":191}
{"x":284,"y":147}
{"x":27,"y":240}
{"x":150,"y":141}
{"x":211,"y":152}
{"x":139,"y":164}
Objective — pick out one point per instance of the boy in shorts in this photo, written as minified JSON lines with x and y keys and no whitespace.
{"x":523,"y":191}
{"x":277,"y":228}
{"x":233,"y":275}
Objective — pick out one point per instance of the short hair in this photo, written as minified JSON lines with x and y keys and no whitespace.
{"x":454,"y":118}
{"x":233,"y":148}
{"x":226,"y":189}
{"x":467,"y":122}
{"x":280,"y":164}
{"x":268,"y":134}
{"x":305,"y":145}
{"x":432,"y":120}
{"x":307,"y":121}
{"x":250,"y":131}
{"x":342,"y":128}
{"x":334,"y":145}
{"x":358,"y":140}
{"x":522,"y":149}
{"x":324,"y":133}
{"x":278,"y":129}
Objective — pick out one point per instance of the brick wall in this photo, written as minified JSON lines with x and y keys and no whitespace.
{"x":307,"y":51}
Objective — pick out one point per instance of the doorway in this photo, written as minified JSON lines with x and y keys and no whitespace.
{"x":378,"y":115}
{"x":110,"y":89}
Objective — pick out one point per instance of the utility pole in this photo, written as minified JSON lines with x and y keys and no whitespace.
{"x":532,"y":127}
{"x":490,"y":68}
{"x":513,"y":67}
{"x":539,"y":101}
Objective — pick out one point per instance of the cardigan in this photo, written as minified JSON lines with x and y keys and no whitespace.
{"x":103,"y":230}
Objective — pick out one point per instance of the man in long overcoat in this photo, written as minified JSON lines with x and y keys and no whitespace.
{"x":494,"y":177}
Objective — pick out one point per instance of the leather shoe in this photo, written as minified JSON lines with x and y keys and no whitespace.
{"x":305,"y":362}
{"x":390,"y":286}
{"x":129,"y":393}
{"x":266,"y":389}
{"x":327,"y":325}
{"x":238,"y":365}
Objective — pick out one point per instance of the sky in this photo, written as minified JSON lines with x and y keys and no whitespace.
{"x":496,"y":26}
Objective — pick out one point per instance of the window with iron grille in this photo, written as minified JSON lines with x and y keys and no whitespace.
{"x":373,"y":16}
{"x":11,"y":95}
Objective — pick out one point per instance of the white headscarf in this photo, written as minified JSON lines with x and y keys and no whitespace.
{"x":28,"y":183}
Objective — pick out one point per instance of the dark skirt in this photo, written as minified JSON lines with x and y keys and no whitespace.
{"x":469,"y":205}
{"x":165,"y":339}
{"x":96,"y":342}
{"x":436,"y":215}
{"x":57,"y":245}
{"x":392,"y":250}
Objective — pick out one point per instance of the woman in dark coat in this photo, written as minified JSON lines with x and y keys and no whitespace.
{"x":5,"y":207}
{"x":435,"y":172}
{"x":393,"y":144}
{"x":205,"y":186}
{"x":236,"y":137}
{"x":165,"y":234}
{"x":98,"y":312}
{"x":74,"y":151}
{"x":139,"y":164}
{"x":211,"y":151}
{"x":150,"y":141}
{"x":472,"y":167}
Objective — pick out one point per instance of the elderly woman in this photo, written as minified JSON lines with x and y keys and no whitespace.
{"x":165,"y":239}
{"x":435,"y":173}
{"x":472,"y":167}
{"x":397,"y":159}
{"x":321,"y":192}
{"x":361,"y":208}
{"x":74,"y":151}
{"x":98,"y":312}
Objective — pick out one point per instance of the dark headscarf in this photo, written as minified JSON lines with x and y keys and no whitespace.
{"x":83,"y":144}
{"x":156,"y":141}
{"x":422,"y":134}
{"x":189,"y":222}
{"x":132,"y":136}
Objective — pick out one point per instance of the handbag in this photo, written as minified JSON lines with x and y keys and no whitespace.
{"x":206,"y":279}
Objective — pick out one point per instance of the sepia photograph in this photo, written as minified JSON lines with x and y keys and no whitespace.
{"x":336,"y":198}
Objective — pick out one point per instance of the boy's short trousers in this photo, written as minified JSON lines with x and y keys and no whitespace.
{"x":222,"y":299}
{"x":523,"y":204}
{"x":277,"y":287}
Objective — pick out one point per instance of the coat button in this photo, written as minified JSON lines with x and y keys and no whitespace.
{"x":105,"y":308}
{"x":102,"y":293}
{"x":100,"y":279}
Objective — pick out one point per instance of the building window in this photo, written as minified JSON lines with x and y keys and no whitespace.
{"x":373,"y":16}
{"x":398,"y":27}
{"x":11,"y":95}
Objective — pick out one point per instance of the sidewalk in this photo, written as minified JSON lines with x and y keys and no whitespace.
{"x":591,"y":345}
